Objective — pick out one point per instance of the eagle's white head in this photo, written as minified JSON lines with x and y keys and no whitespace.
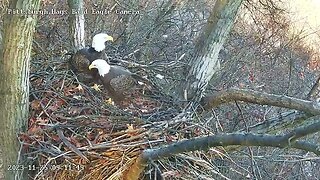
{"x":99,"y":40}
{"x":102,"y":66}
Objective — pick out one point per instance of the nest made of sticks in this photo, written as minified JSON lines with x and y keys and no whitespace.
{"x":74,"y":134}
{"x":72,"y":126}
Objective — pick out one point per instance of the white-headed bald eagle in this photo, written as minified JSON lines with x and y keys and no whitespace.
{"x":80,"y":61}
{"x":116,"y":79}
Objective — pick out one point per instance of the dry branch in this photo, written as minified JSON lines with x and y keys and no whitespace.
{"x":260,"y":98}
{"x":71,"y":146}
{"x":204,"y":143}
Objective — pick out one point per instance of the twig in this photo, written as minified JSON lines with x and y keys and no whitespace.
{"x":71,"y":146}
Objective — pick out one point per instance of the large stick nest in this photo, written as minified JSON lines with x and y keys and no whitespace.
{"x":74,"y":133}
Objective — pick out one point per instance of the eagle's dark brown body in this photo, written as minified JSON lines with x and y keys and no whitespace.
{"x":80,"y":61}
{"x":118,"y":82}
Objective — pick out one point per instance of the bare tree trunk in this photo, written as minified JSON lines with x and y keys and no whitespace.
{"x":205,"y":63}
{"x":14,"y":83}
{"x":0,"y":40}
{"x":314,"y":92}
{"x":76,"y":20}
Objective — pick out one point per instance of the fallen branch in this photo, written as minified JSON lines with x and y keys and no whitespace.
{"x":260,"y":98}
{"x":242,"y":139}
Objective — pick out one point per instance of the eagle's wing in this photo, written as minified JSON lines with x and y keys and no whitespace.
{"x":79,"y":63}
{"x":122,"y":83}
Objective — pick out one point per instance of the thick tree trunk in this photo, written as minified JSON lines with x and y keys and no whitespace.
{"x":14,"y":81}
{"x":76,"y":20}
{"x":205,"y":62}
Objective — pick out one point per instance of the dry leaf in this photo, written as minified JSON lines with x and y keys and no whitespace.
{"x":79,"y":88}
{"x":36,"y":104}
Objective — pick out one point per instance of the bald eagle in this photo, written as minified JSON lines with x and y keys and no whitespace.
{"x":80,"y":61}
{"x":116,"y":79}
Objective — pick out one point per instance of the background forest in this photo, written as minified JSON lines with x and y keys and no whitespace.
{"x":267,"y":84}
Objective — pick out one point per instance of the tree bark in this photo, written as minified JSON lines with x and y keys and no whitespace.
{"x":314,"y":90}
{"x":261,"y":98}
{"x":0,"y":39}
{"x":14,"y":83}
{"x":76,"y":20}
{"x":205,"y":63}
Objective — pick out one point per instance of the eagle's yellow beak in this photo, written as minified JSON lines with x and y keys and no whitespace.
{"x":91,"y":66}
{"x":109,"y":38}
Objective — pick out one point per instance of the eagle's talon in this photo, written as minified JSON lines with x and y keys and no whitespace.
{"x":96,"y":87}
{"x":110,"y":101}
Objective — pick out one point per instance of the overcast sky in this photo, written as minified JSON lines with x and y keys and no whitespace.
{"x":306,"y":15}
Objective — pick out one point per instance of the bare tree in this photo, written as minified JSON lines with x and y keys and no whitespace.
{"x":205,"y":63}
{"x":76,"y":27}
{"x":14,"y":85}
